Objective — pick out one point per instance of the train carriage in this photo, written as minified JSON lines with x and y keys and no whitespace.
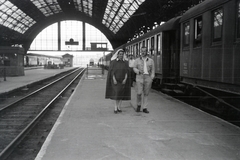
{"x":200,"y":48}
{"x":163,"y":47}
{"x":33,"y":59}
{"x":105,"y":60}
{"x":210,"y":44}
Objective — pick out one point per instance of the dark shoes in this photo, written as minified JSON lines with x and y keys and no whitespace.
{"x":138,"y":108}
{"x":118,"y":110}
{"x":145,"y":110}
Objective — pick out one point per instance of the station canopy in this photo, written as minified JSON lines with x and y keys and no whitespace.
{"x":119,"y":20}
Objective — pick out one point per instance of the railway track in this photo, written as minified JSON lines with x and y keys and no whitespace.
{"x":19,"y":117}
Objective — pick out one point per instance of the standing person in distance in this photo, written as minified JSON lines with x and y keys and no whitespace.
{"x":145,"y":72}
{"x":118,"y":80}
{"x":132,"y":73}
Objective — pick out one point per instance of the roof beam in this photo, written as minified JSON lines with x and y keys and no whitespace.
{"x":67,"y":6}
{"x":29,"y":8}
{"x":99,"y":9}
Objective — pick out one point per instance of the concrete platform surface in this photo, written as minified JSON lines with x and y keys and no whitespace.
{"x":31,"y":76}
{"x":87,"y":129}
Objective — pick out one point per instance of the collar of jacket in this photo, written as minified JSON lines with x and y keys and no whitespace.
{"x":120,"y":60}
{"x":142,"y":58}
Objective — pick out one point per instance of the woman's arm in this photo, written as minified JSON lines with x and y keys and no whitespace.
{"x":125,"y":79}
{"x":114,"y":79}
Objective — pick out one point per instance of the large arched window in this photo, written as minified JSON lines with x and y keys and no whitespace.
{"x":47,"y":40}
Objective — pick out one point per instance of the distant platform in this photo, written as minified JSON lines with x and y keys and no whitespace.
{"x":31,"y":75}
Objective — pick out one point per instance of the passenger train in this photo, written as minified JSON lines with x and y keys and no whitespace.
{"x":199,"y":49}
{"x":33,"y":59}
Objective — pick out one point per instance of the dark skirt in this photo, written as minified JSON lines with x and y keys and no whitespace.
{"x":118,"y":91}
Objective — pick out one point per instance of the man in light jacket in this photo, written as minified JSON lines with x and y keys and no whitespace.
{"x":145,"y":72}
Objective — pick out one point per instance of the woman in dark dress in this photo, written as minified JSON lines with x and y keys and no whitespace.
{"x":118,"y":86}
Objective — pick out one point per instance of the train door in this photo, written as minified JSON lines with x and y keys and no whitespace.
{"x":170,"y":56}
{"x":158,"y":59}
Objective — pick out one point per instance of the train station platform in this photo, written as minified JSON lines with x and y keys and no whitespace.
{"x":32,"y":74}
{"x":88,"y":129}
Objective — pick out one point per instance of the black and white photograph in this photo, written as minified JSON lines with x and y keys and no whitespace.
{"x":119,"y":79}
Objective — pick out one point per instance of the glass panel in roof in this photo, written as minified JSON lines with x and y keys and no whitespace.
{"x":48,"y":7}
{"x":114,"y":9}
{"x":107,"y":24}
{"x":139,"y":1}
{"x":120,"y":24}
{"x":78,"y":6}
{"x":121,"y":13}
{"x":86,"y":4}
{"x":87,"y":7}
{"x":131,"y":9}
{"x":111,"y":16}
{"x":6,"y":23}
{"x":10,"y":25}
{"x":124,"y":8}
{"x":134,"y":5}
{"x":125,"y":5}
{"x":111,"y":28}
{"x":12,"y":17}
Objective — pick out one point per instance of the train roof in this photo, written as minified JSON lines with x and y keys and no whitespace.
{"x":42,"y":55}
{"x":201,"y":8}
{"x":172,"y":24}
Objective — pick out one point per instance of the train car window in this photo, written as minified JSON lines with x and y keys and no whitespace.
{"x":198,"y":32}
{"x":238,"y":20}
{"x":186,"y":36}
{"x":147,"y":44}
{"x":217,"y":25}
{"x":159,"y":44}
{"x":131,"y":50}
{"x":134,"y":50}
{"x":137,"y":50}
{"x":152,"y":46}
{"x":139,"y":47}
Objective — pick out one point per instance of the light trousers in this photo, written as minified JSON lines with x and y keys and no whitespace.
{"x":143,"y":85}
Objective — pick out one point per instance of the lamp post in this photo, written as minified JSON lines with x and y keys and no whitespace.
{"x":102,"y":62}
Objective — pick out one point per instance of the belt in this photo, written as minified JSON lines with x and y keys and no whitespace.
{"x":142,"y":74}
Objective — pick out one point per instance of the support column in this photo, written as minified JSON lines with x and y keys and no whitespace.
{"x":59,"y":36}
{"x":84,"y":36}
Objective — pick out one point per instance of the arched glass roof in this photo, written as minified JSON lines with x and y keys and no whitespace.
{"x":14,"y":18}
{"x":119,"y":20}
{"x":48,"y":7}
{"x":118,"y":12}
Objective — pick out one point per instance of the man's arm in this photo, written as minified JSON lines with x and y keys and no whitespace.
{"x":135,"y":69}
{"x":153,"y":70}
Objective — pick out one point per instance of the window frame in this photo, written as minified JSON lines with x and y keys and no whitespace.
{"x":197,"y":41}
{"x":238,"y":20}
{"x":158,"y":47}
{"x":218,"y":39}
{"x":186,"y":38}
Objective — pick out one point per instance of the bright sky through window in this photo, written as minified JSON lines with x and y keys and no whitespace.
{"x":48,"y":38}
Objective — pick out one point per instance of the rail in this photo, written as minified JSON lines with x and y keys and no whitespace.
{"x":9,"y":148}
